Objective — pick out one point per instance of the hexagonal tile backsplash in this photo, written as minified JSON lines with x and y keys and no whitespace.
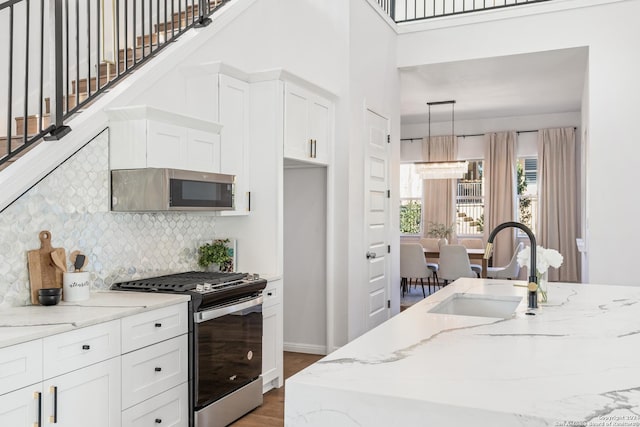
{"x":73,"y":204}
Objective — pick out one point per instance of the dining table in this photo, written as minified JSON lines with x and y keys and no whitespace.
{"x":475,"y":254}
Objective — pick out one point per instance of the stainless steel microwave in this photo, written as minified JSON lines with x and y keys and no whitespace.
{"x":163,"y":189}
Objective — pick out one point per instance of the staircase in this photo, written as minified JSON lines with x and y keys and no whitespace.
{"x":82,"y":92}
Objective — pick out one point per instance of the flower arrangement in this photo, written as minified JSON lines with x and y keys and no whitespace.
{"x":545,"y":258}
{"x":440,"y":230}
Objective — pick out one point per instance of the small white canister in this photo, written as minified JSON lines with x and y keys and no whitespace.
{"x":75,"y":286}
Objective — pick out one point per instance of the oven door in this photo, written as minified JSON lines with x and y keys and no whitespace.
{"x":228,"y":349}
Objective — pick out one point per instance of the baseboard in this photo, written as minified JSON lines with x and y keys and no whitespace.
{"x":305,"y":348}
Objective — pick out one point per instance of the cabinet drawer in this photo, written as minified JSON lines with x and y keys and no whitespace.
{"x":272,"y":294}
{"x":20,"y":365}
{"x":76,"y":349}
{"x":154,"y":326}
{"x":154,"y":369}
{"x":169,"y":409}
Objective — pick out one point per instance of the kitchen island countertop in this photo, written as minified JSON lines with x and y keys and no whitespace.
{"x":21,"y":324}
{"x":575,"y":362}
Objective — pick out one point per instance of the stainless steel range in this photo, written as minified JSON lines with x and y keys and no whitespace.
{"x":225,"y":339}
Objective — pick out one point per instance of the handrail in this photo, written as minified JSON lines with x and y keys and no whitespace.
{"x":417,"y":10}
{"x":72,"y":69}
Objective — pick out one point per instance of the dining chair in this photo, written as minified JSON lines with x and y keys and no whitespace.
{"x":509,"y":271}
{"x":413,"y":266}
{"x":454,"y":263}
{"x":473,"y":243}
{"x":431,"y":244}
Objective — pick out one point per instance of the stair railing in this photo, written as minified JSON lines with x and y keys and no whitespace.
{"x":57,"y":63}
{"x":416,"y":10}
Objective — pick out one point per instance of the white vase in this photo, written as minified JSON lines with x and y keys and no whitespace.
{"x":213,"y":267}
{"x":543,"y":285}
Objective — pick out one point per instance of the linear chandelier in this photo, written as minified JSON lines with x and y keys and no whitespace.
{"x":451,"y":169}
{"x":442,"y":170}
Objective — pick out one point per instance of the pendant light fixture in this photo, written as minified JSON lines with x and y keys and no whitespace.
{"x":450,"y":169}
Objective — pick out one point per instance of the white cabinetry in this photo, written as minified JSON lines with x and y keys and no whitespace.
{"x":21,"y":407}
{"x":221,"y":93}
{"x":87,"y":396}
{"x":81,"y":378}
{"x":307,"y":122}
{"x":233,"y":110}
{"x":272,"y":368}
{"x":142,"y":136}
{"x":155,"y":368}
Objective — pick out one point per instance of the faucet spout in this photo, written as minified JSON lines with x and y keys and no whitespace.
{"x":533,"y":279}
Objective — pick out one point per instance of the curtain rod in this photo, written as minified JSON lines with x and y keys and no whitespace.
{"x":474,"y":134}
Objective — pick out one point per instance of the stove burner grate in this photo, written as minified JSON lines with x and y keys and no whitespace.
{"x":182,"y":282}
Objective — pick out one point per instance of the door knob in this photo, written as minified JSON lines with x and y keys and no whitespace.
{"x":371,"y":255}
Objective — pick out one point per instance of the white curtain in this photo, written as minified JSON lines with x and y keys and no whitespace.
{"x":439,"y":195}
{"x":500,"y":203}
{"x":559,"y":223}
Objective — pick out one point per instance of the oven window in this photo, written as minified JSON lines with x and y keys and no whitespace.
{"x":229,"y":354}
{"x":190,"y":193}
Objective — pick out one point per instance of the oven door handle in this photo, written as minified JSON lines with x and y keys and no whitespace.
{"x":214,"y":313}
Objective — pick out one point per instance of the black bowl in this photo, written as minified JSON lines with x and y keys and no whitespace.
{"x":49,"y":299}
{"x":50,"y":291}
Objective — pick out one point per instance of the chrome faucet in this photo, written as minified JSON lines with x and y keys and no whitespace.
{"x":533,"y":279}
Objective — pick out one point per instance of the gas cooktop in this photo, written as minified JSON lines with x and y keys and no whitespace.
{"x":206,"y":288}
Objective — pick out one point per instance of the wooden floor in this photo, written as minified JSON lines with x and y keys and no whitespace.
{"x":271,"y":413}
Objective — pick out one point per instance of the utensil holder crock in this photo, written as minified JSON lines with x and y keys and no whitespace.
{"x":75,"y":286}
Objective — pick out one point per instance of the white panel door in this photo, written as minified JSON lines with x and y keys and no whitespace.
{"x":234,"y":117}
{"x":87,"y":397}
{"x":21,"y":407}
{"x":297,"y":144}
{"x":319,"y":116}
{"x":376,"y":186}
{"x":166,"y":145}
{"x":203,"y":151}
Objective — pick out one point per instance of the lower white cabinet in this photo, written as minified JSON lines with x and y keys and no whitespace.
{"x":272,"y":341}
{"x":149,"y":371}
{"x":85,"y":397}
{"x":82,"y":378}
{"x":169,"y":409}
{"x":21,"y":407}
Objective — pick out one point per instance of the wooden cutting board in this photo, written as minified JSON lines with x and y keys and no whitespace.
{"x":42,"y":271}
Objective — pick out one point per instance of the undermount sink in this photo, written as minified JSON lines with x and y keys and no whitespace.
{"x":478,"y":305}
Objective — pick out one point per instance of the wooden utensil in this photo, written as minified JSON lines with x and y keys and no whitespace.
{"x":59,"y":259}
{"x":42,"y":270}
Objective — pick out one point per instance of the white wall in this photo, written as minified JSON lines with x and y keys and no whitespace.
{"x":373,"y":84}
{"x":305,"y":261}
{"x":613,"y":38}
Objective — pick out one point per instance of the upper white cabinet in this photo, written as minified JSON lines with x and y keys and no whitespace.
{"x":307,"y":125}
{"x":220,"y":93}
{"x":233,"y":108}
{"x":142,"y":136}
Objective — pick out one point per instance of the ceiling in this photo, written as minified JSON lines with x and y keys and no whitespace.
{"x":527,"y":84}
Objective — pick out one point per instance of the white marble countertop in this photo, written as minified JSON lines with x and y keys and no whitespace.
{"x":574,"y":363}
{"x":21,"y":324}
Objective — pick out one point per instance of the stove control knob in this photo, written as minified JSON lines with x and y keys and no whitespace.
{"x":199,"y":288}
{"x":207,"y":286}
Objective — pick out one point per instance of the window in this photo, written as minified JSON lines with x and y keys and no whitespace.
{"x":470,"y":201}
{"x":527,"y":175}
{"x":410,"y":200}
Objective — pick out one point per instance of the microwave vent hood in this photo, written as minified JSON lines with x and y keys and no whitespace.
{"x":164,"y":189}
